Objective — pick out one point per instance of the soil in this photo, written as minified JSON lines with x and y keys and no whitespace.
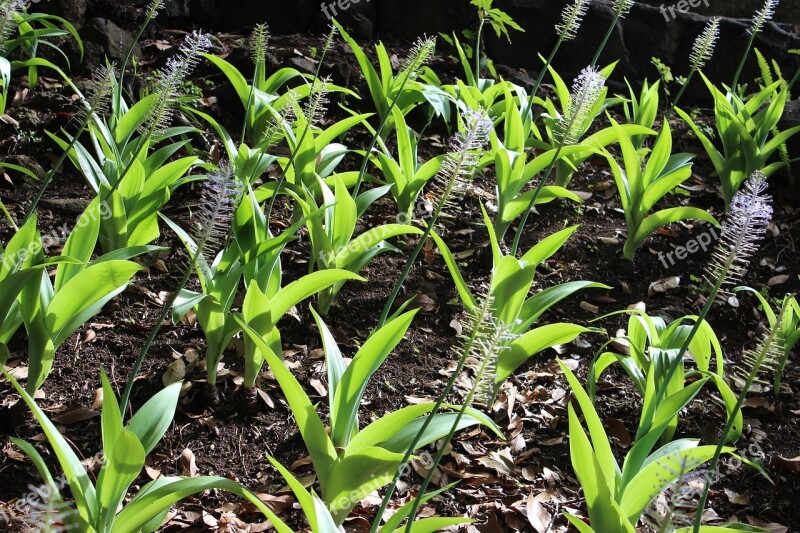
{"x":499,"y":480}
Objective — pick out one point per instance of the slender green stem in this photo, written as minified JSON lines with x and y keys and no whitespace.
{"x":439,"y":402}
{"x":603,"y":44}
{"x":478,"y":48}
{"x":9,"y":217}
{"x":539,"y":81}
{"x":374,"y":141}
{"x":137,"y":365}
{"x":794,"y":80}
{"x":48,"y":178}
{"x":680,"y":93}
{"x":751,"y":377}
{"x":742,"y":62}
{"x":407,"y":268}
{"x":440,"y":454}
{"x":535,"y":197}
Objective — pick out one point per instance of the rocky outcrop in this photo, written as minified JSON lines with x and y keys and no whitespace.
{"x":648,"y":31}
{"x":655,"y":28}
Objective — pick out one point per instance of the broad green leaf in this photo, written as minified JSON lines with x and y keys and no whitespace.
{"x":153,"y":419}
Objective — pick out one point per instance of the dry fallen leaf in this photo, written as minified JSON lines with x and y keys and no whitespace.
{"x":664,"y":285}
{"x":777,"y":280}
{"x":75,"y":415}
{"x":736,"y":498}
{"x":538,"y":516}
{"x":188,"y":464}
{"x":175,"y":372}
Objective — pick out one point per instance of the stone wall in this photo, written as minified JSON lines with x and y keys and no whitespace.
{"x":648,"y":31}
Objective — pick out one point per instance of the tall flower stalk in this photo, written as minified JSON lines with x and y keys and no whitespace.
{"x":761,"y":360}
{"x":151,"y":13}
{"x":761,"y":17}
{"x":417,"y":58}
{"x":746,"y":224}
{"x":159,"y":117}
{"x":571,"y":19}
{"x":702,"y":52}
{"x":315,"y":84}
{"x":621,"y":8}
{"x":476,"y":318}
{"x":458,"y":168}
{"x":489,"y":337}
{"x":586,"y":91}
{"x":96,"y":103}
{"x":219,"y":200}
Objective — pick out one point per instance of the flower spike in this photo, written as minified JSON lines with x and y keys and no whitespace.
{"x":102,"y":85}
{"x":417,"y":57}
{"x":586,"y":91}
{"x":703,"y":48}
{"x":750,"y":213}
{"x":177,"y":69}
{"x":763,"y":16}
{"x":571,"y":19}
{"x":153,"y":8}
{"x":623,"y":7}
{"x":258,"y":43}
{"x":219,"y":200}
{"x":466,"y":150}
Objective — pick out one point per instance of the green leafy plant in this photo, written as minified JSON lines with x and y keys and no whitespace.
{"x":351,"y":461}
{"x":579,"y":110}
{"x":643,"y":182}
{"x":499,"y":20}
{"x":745,"y":129}
{"x":220,"y":278}
{"x":387,"y":89}
{"x":260,"y":97}
{"x":262,"y":311}
{"x":510,"y":287}
{"x":642,"y":110}
{"x":651,"y":347}
{"x":457,"y":170}
{"x":768,"y":78}
{"x":554,"y":120}
{"x":321,"y":521}
{"x":100,"y":505}
{"x":135,"y":183}
{"x":616,"y":497}
{"x":404,"y":173}
{"x":20,"y":267}
{"x":32,"y":30}
{"x":757,"y":363}
{"x":789,"y":330}
{"x":53,"y":310}
{"x":332,"y":243}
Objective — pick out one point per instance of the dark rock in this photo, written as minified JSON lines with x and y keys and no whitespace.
{"x":114,"y":40}
{"x":302,"y":64}
{"x":72,"y":10}
{"x":644,"y":34}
